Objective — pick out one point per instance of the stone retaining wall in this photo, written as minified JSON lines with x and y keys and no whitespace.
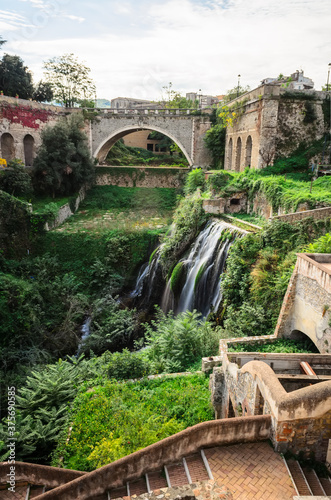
{"x":317,"y":214}
{"x":149,"y":177}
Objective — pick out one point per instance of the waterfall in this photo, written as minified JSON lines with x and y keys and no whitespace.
{"x":85,"y":331}
{"x":196,"y":279}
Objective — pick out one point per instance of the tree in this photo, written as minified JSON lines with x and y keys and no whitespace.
{"x":15,"y":78}
{"x":63,"y":163}
{"x":43,"y":92}
{"x":236,"y":92}
{"x":70,"y":80}
{"x":174,"y":99}
{"x":2,"y":41}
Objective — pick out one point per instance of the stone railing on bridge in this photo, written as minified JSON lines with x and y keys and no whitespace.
{"x":147,"y":111}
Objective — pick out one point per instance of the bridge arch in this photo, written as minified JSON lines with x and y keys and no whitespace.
{"x":102,"y":150}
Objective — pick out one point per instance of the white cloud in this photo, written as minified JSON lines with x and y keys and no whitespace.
{"x":200,"y":45}
{"x":74,"y":18}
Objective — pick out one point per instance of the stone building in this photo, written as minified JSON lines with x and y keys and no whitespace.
{"x":271,"y":119}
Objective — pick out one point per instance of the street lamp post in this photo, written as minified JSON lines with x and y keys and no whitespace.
{"x":327,"y":83}
{"x":238,"y":85}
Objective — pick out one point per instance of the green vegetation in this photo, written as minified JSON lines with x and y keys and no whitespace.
{"x":63,"y":163}
{"x":15,"y":180}
{"x":279,"y":345}
{"x":120,"y":154}
{"x":116,"y":419}
{"x":195,"y":179}
{"x":280,"y":191}
{"x":259,"y":267}
{"x":176,"y":343}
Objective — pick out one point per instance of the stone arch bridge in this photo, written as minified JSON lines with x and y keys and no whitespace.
{"x":187,"y":130}
{"x":21,"y":123}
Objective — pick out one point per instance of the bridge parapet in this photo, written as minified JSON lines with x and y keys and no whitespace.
{"x":148,"y":111}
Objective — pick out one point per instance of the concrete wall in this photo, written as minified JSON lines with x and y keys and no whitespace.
{"x":162,"y":177}
{"x":155,"y":456}
{"x":305,"y":309}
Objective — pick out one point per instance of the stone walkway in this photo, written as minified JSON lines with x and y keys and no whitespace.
{"x":251,"y":471}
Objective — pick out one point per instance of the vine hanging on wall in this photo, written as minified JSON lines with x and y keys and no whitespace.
{"x":24,"y":115}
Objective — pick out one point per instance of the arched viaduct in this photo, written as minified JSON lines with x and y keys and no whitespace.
{"x":21,"y":123}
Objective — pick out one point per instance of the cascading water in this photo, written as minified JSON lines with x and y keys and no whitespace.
{"x":196,"y":279}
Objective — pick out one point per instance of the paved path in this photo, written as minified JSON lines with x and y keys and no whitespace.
{"x":251,"y":471}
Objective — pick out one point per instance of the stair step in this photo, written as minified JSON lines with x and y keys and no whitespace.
{"x":138,"y":487}
{"x":177,"y":474}
{"x":313,"y":481}
{"x":197,"y":468}
{"x":157,"y":480}
{"x":298,"y":478}
{"x":118,"y":493}
{"x":326,"y":483}
{"x":20,"y":493}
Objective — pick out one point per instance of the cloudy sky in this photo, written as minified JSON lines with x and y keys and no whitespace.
{"x":135,"y":47}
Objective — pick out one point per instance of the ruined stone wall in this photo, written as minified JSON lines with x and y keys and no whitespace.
{"x":150,"y":177}
{"x":299,"y":120}
{"x":305,"y":309}
{"x":277,"y":121}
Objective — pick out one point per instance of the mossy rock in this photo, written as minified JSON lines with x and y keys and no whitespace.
{"x":177,"y":279}
{"x":202,"y":269}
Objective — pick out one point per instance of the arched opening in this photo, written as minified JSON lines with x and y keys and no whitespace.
{"x":230,"y":147}
{"x":7,"y":147}
{"x":238,"y":155}
{"x":248,"y":156}
{"x":259,"y":402}
{"x":305,"y":340}
{"x":103,"y":149}
{"x":28,"y":143}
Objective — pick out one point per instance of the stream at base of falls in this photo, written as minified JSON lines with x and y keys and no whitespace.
{"x":198,"y":274}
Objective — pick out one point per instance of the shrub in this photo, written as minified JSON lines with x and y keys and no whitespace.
{"x":63,"y":163}
{"x":195,"y":179}
{"x":128,"y":365}
{"x":15,"y":180}
{"x":175,"y":343}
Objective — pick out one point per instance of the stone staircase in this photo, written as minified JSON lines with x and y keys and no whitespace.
{"x":189,"y":470}
{"x":307,"y":482}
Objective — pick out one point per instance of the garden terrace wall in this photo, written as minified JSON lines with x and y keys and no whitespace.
{"x":148,"y":177}
{"x":155,"y":456}
{"x":317,"y":214}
